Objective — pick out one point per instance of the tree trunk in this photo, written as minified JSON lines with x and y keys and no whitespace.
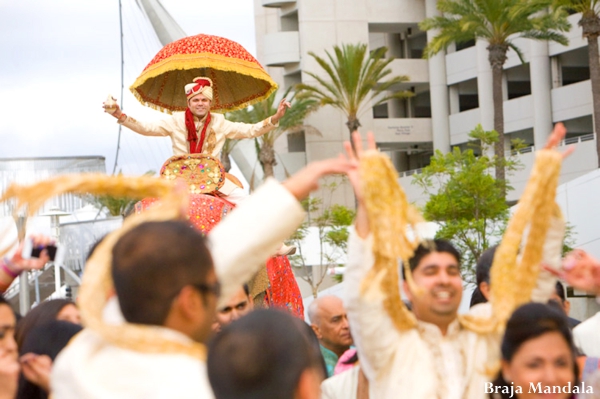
{"x":353,"y":124}
{"x":497,"y":58}
{"x":226,"y":161}
{"x":590,"y":25}
{"x":266,"y":156}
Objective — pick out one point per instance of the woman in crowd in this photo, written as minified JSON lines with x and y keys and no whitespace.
{"x":538,"y":356}
{"x":9,"y":366}
{"x":41,"y":346}
{"x":55,"y":309}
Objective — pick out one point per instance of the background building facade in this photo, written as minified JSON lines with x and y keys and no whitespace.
{"x":453,"y":90}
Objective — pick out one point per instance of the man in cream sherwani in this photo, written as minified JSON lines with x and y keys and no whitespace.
{"x":197,"y":130}
{"x":438,"y":358}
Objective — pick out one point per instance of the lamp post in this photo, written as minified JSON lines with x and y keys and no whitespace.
{"x":55,"y":213}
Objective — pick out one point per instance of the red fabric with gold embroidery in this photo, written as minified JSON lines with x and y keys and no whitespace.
{"x":205,"y":211}
{"x":203,"y":44}
{"x":283,"y":289}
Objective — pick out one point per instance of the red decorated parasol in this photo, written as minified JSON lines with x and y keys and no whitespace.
{"x":238,"y":79}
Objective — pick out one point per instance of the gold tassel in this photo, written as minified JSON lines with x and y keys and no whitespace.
{"x":391,"y":214}
{"x":513,"y":279}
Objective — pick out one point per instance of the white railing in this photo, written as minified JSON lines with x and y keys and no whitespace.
{"x":407,"y":173}
{"x":578,"y":139}
{"x":524,"y":150}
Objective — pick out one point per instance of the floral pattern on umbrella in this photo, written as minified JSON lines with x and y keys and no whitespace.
{"x":238,"y":78}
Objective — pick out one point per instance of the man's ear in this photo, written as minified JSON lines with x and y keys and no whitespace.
{"x":188,"y":302}
{"x":484,"y":287}
{"x":317,"y":330}
{"x":567,"y":306}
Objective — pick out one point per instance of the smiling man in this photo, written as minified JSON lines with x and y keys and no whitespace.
{"x":197,"y":130}
{"x":436,"y":268}
{"x":436,"y":353}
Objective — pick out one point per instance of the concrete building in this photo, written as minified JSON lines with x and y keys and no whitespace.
{"x":453,"y":90}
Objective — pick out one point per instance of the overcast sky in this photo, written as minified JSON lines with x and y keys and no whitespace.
{"x":61,"y":58}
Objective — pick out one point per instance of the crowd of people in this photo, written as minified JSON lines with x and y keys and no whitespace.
{"x":177,"y":319}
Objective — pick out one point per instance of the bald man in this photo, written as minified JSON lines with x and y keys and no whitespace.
{"x":330,"y":323}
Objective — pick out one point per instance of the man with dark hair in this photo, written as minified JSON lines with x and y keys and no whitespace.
{"x":435,"y":266}
{"x":173,"y":259}
{"x":434,"y":354}
{"x":329,"y":321}
{"x":167,"y":276}
{"x":239,"y":305}
{"x":267,"y":354}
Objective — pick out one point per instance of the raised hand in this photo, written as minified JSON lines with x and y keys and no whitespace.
{"x":579,"y":270}
{"x":307,"y":179}
{"x":112,"y":109}
{"x":354,"y":152}
{"x":281,"y":108}
{"x":18,"y":264}
{"x":36,"y":369}
{"x":557,"y":135}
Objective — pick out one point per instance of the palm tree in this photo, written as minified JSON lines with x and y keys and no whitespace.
{"x":355,"y":78}
{"x":499,"y":22}
{"x":590,"y":25}
{"x":291,"y":123}
{"x":228,"y":146}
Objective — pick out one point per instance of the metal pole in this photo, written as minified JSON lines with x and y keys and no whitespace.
{"x":122,"y":85}
{"x":37,"y":287}
{"x":24,"y":300}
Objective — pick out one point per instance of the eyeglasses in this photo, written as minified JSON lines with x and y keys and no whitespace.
{"x":214,"y":288}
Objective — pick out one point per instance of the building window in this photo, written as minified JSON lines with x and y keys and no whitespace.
{"x":518,"y":81}
{"x":292,"y":79}
{"x":381,"y":111}
{"x":571,"y":67}
{"x":401,"y":41}
{"x":296,"y":142}
{"x":464,"y":45}
{"x":289,"y":22}
{"x":422,"y":104}
{"x":464,"y":96}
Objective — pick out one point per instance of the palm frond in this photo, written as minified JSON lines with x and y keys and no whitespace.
{"x":352,"y":77}
{"x":497,"y":21}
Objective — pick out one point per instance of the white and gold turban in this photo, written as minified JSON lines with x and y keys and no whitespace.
{"x":201,"y":85}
